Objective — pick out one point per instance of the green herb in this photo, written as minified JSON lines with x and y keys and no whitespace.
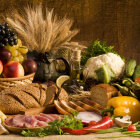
{"x":95,"y":49}
{"x":54,"y":127}
{"x":123,"y":130}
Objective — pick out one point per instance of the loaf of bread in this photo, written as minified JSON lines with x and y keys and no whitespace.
{"x":101,"y":93}
{"x":15,"y":99}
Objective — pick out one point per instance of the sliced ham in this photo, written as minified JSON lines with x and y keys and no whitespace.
{"x":9,"y":120}
{"x":30,"y":121}
{"x":42,"y":118}
{"x":41,"y":123}
{"x":49,"y":116}
{"x":18,"y":121}
{"x":25,"y":121}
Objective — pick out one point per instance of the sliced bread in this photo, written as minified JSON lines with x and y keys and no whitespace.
{"x":76,"y":107}
{"x":59,"y":108}
{"x":86,"y":106}
{"x":50,"y":95}
{"x":63,"y":95}
{"x":66,"y":106}
{"x":93,"y":104}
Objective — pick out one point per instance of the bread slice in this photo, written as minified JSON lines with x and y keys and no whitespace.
{"x":66,"y":106}
{"x":93,"y":104}
{"x":50,"y":95}
{"x":86,"y":106}
{"x":34,"y":91}
{"x":42,"y":88}
{"x":101,"y":93}
{"x":59,"y":108}
{"x":63,"y":95}
{"x":76,"y":107}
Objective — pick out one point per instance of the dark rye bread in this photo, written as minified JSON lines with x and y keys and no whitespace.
{"x":50,"y":94}
{"x":15,"y":99}
{"x":38,"y":91}
{"x":10,"y":105}
{"x":62,"y":95}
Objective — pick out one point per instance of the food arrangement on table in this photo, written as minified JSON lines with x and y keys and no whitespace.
{"x":50,"y":85}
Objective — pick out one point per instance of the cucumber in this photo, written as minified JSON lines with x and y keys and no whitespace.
{"x":136,"y":72}
{"x":130,"y":67}
{"x":104,"y":74}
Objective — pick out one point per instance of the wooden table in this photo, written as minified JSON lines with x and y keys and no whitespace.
{"x":67,"y":137}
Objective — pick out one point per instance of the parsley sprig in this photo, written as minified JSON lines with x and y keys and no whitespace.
{"x":54,"y":127}
{"x":95,"y":49}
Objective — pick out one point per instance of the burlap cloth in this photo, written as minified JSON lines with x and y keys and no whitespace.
{"x":67,"y":137}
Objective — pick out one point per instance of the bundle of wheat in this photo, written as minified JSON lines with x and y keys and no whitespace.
{"x":42,"y":32}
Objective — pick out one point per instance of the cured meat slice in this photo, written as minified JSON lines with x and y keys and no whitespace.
{"x":25,"y":121}
{"x":41,"y":123}
{"x":9,"y":120}
{"x":55,"y":116}
{"x":42,"y":118}
{"x":49,"y":116}
{"x":30,"y":121}
{"x":18,"y":121}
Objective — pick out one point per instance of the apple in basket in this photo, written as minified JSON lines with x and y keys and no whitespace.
{"x":30,"y":66}
{"x":1,"y":67}
{"x":13,"y":69}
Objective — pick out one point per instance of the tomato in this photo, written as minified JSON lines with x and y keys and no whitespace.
{"x":137,"y":80}
{"x":131,"y":128}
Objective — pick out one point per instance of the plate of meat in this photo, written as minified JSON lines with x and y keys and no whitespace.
{"x":18,"y":123}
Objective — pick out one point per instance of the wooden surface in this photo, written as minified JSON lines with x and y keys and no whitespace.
{"x":67,"y":137}
{"x":115,"y":21}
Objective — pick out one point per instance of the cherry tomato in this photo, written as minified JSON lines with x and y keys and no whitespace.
{"x":131,"y":128}
{"x":92,"y":123}
{"x":137,"y":80}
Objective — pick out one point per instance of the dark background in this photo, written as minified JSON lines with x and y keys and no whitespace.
{"x":115,"y":21}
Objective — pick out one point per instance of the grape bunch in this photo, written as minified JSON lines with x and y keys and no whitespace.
{"x":7,"y":36}
{"x":18,"y":51}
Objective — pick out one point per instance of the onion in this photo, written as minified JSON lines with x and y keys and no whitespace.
{"x":88,"y":116}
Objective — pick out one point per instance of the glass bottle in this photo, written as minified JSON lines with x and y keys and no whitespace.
{"x":74,"y":83}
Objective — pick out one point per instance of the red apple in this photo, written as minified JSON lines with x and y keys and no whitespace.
{"x":1,"y":67}
{"x":13,"y":69}
{"x":30,"y":66}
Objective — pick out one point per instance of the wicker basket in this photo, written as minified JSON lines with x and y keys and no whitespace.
{"x":11,"y":82}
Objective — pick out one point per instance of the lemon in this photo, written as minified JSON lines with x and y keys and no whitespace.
{"x":2,"y":116}
{"x":60,"y":80}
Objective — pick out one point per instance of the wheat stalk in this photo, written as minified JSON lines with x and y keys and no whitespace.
{"x":42,"y":32}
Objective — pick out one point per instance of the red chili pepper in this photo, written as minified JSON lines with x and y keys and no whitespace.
{"x":105,"y":123}
{"x":91,"y":123}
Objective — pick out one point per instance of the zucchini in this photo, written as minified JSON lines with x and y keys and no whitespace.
{"x":136,"y":72}
{"x":130,"y":67}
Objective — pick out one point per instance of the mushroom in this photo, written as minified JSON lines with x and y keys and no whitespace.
{"x":124,"y":121}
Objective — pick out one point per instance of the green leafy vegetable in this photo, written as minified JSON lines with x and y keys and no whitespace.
{"x":123,"y":130}
{"x":95,"y":49}
{"x":54,"y":127}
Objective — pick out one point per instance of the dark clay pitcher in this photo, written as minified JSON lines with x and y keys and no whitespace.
{"x":46,"y":66}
